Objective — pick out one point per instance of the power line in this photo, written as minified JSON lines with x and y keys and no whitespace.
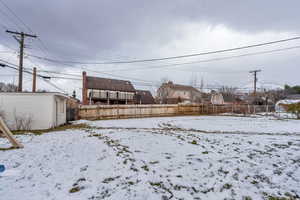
{"x":54,"y":85}
{"x":10,"y":19}
{"x":168,"y":58}
{"x":136,"y":83}
{"x":16,"y":16}
{"x":26,"y":26}
{"x":119,"y":76}
{"x":55,"y":72}
{"x":205,"y":61}
{"x":26,"y":71}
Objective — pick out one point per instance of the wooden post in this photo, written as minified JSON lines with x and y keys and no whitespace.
{"x":34,"y":80}
{"x":21,"y":42}
{"x":5,"y":130}
{"x":84,"y":89}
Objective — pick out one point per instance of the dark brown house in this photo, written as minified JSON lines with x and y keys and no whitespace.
{"x":144,"y":97}
{"x":98,"y":90}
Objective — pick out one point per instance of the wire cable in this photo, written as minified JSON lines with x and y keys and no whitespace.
{"x":168,"y":58}
{"x":203,"y":61}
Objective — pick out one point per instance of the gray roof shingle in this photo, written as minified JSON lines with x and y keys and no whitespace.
{"x":109,"y":84}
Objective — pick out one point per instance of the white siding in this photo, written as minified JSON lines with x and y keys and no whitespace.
{"x":61,"y":110}
{"x":40,"y":107}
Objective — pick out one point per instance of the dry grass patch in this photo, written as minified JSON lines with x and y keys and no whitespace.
{"x":56,"y":129}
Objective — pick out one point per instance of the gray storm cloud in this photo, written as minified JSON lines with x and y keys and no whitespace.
{"x":113,"y":30}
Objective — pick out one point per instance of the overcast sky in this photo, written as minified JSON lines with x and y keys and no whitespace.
{"x":107,"y":30}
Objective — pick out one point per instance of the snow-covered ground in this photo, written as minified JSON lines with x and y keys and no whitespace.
{"x":205,"y":157}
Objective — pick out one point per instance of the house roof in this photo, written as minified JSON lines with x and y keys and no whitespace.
{"x":145,"y":97}
{"x":179,"y":87}
{"x":109,"y":84}
{"x":288,"y":101}
{"x":230,"y":98}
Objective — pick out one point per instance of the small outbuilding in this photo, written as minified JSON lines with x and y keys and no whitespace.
{"x":144,"y":97}
{"x":33,"y":111}
{"x":283,"y":107}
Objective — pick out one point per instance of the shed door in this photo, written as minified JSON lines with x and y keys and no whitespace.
{"x":56,"y":113}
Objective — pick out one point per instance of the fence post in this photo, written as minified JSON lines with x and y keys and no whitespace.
{"x":118,"y":114}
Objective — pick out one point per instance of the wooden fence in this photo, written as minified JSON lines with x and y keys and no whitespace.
{"x":158,"y":110}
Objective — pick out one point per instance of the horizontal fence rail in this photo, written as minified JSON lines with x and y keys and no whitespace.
{"x":158,"y":110}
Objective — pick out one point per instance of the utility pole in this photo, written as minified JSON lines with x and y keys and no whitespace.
{"x":34,"y":80}
{"x":21,"y":40}
{"x":254,"y":72}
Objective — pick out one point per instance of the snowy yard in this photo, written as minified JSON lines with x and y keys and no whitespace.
{"x":205,"y":157}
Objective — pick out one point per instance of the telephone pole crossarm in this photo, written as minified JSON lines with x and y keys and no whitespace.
{"x":254,"y":72}
{"x":21,"y":41}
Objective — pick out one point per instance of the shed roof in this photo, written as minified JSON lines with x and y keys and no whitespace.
{"x":293,"y":96}
{"x":288,"y":101}
{"x":109,"y":84}
{"x":34,"y":94}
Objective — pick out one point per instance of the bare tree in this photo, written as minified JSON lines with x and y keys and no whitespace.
{"x":23,"y":122}
{"x":227,"y":90}
{"x":2,"y":114}
{"x":164,"y":80}
{"x":194,"y":80}
{"x":202,"y":85}
{"x":7,"y":87}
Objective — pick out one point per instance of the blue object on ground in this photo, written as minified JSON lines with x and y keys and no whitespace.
{"x":2,"y":168}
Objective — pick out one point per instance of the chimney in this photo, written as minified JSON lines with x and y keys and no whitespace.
{"x":84,"y":89}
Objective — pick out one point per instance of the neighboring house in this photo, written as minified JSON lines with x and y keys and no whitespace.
{"x":97,"y":90}
{"x":258,"y":100}
{"x":33,"y":111}
{"x":170,"y":93}
{"x":217,"y":98}
{"x":205,"y":98}
{"x":144,"y":97}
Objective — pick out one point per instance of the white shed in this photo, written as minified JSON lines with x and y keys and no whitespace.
{"x":33,"y":111}
{"x":281,"y":106}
